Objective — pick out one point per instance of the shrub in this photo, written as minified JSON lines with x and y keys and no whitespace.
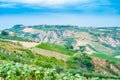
{"x":4,"y":33}
{"x":80,"y":60}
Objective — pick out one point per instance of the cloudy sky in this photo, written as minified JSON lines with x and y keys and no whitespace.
{"x":74,"y":12}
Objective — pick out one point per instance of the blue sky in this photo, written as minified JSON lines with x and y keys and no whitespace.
{"x":73,"y":12}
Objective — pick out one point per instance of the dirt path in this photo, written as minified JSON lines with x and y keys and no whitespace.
{"x":50,"y":53}
{"x":26,"y":44}
{"x":31,"y":45}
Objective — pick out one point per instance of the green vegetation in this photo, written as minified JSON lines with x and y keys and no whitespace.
{"x":27,"y":57}
{"x":93,"y":75}
{"x":54,"y":27}
{"x":17,"y":71}
{"x":14,"y":38}
{"x":69,"y":42}
{"x":98,"y":47}
{"x":4,"y":33}
{"x":10,"y":42}
{"x":25,"y":64}
{"x":95,"y":35}
{"x":18,"y":63}
{"x":106,"y":57}
{"x":56,"y":48}
{"x":80,"y":60}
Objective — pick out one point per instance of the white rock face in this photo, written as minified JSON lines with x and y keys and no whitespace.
{"x":110,"y":41}
{"x":30,"y":30}
{"x":45,"y":36}
{"x":11,"y":34}
{"x":57,"y":35}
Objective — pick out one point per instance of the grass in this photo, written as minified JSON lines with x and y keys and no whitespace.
{"x":106,"y":57}
{"x":50,"y":53}
{"x":14,"y":38}
{"x":56,"y":48}
{"x":101,"y":48}
{"x":28,"y":57}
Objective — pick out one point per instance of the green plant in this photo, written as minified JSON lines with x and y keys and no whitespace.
{"x":4,"y":33}
{"x":80,"y":60}
{"x":27,"y":57}
{"x":17,"y":71}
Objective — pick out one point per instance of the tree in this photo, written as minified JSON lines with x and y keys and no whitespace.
{"x":80,"y":60}
{"x":69,"y":46}
{"x":4,"y":33}
{"x":82,"y":48}
{"x":15,"y":34}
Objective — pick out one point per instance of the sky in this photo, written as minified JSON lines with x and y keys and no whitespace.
{"x":98,"y":13}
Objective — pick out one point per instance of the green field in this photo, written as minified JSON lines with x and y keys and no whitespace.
{"x":106,"y":57}
{"x":56,"y":48}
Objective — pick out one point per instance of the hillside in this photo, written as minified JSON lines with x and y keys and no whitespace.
{"x":103,"y":40}
{"x":18,"y":60}
{"x":46,"y":51}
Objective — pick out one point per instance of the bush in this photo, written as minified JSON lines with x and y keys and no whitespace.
{"x":80,"y":60}
{"x":17,"y":71}
{"x":4,"y":33}
{"x":27,"y":57}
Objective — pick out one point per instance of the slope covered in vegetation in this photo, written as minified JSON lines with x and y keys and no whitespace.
{"x":56,"y":48}
{"x":20,"y":63}
{"x":105,"y":40}
{"x":106,"y":57}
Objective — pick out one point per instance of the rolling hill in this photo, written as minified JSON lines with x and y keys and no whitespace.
{"x":46,"y":51}
{"x":95,"y":39}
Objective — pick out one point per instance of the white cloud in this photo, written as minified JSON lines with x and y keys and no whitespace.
{"x":7,"y":5}
{"x":48,"y":2}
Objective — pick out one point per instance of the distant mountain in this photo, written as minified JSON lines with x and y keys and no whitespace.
{"x":95,"y":39}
